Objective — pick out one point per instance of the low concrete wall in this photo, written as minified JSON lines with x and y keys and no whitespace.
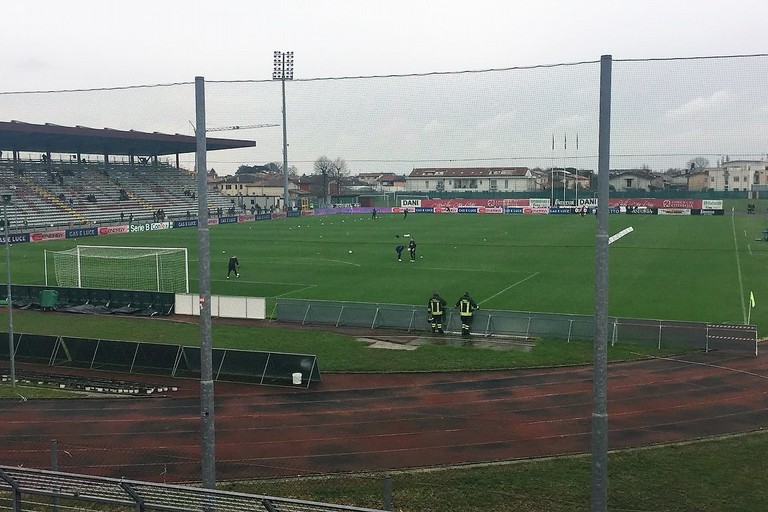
{"x":222,"y":306}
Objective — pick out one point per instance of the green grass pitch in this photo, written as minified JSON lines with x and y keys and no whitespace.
{"x":678,"y":268}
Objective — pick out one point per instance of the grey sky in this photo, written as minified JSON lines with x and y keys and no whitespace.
{"x":395,"y":124}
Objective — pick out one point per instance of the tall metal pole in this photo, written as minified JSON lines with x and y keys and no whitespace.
{"x":283,"y":71}
{"x":207,"y":429}
{"x":599,"y":489}
{"x":11,"y":347}
{"x":285,"y":154}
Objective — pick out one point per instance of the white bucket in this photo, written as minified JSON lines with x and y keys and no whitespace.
{"x":297,"y":378}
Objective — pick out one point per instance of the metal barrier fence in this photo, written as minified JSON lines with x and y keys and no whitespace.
{"x":524,"y":324}
{"x":146,"y":358}
{"x":34,"y":489}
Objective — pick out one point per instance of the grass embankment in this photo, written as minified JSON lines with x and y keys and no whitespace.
{"x":723,"y":475}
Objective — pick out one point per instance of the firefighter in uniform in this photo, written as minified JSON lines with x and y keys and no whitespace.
{"x":466,"y":306}
{"x":435,"y":312}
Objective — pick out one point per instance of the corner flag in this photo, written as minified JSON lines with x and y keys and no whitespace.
{"x":751,"y":299}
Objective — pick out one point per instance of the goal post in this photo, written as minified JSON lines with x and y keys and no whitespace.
{"x":164,"y":269}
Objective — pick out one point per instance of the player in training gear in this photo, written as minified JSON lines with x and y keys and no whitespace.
{"x":412,"y":249}
{"x":399,"y":250}
{"x":466,"y":306}
{"x":233,"y":266}
{"x":435,"y":311}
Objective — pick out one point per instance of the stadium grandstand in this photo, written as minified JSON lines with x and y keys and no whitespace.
{"x":72,"y":176}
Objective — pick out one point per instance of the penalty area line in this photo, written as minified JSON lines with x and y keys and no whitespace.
{"x":509,"y":287}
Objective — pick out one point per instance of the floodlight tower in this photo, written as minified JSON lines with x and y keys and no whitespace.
{"x":284,"y":71}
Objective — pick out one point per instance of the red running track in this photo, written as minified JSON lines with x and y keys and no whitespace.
{"x":367,"y":422}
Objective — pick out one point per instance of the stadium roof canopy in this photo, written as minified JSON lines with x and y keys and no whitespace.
{"x":52,"y":138}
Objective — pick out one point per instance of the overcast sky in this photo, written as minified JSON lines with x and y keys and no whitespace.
{"x":84,"y":44}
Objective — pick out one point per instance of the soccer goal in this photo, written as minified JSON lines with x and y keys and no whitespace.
{"x":163,"y":269}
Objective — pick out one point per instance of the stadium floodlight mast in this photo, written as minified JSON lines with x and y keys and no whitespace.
{"x":6,"y":199}
{"x":284,"y":71}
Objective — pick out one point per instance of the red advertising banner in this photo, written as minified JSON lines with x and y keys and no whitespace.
{"x":43,"y":236}
{"x":113,"y":230}
{"x":693,"y":204}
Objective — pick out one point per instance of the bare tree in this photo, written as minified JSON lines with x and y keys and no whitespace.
{"x":330,"y":171}
{"x":697,"y":163}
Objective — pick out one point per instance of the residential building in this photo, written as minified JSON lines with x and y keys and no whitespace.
{"x":471,"y":179}
{"x":698,"y":180}
{"x":245,"y":187}
{"x":634,"y":179}
{"x":738,"y":175}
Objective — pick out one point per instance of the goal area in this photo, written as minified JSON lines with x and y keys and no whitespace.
{"x":164,"y":269}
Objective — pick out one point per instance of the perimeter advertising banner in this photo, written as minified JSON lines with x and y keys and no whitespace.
{"x":187,"y":223}
{"x":44,"y":236}
{"x":113,"y":230}
{"x":453,"y":205}
{"x":674,"y":211}
{"x":689,"y":204}
{"x":17,"y":238}
{"x":149,"y":226}
{"x":81,"y":232}
{"x":712,"y":204}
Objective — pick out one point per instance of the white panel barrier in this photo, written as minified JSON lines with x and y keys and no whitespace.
{"x":252,"y":308}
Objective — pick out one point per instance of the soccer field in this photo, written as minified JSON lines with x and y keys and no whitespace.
{"x":679,"y":268}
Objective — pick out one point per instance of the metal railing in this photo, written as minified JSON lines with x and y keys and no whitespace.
{"x":522,"y":324}
{"x":35,"y":489}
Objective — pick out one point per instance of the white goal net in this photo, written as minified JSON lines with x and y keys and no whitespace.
{"x":163,"y":269}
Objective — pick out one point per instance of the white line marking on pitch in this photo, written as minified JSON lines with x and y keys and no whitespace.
{"x":620,"y":234}
{"x":475,"y":270}
{"x":340,"y":261}
{"x":508,"y":287}
{"x":296,"y":290}
{"x":738,"y":269}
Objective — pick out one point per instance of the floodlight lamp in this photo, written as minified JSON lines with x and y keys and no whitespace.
{"x":6,"y":198}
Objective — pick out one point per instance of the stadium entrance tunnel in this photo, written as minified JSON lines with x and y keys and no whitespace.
{"x":177,"y":361}
{"x":92,"y":301}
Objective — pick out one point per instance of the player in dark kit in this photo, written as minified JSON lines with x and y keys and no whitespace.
{"x":399,"y":250}
{"x":435,"y":311}
{"x":412,"y":249}
{"x":233,"y":266}
{"x":467,"y":307}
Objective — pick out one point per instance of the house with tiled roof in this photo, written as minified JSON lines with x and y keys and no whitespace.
{"x":268,"y":186}
{"x":471,"y":179}
{"x":634,"y":179}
